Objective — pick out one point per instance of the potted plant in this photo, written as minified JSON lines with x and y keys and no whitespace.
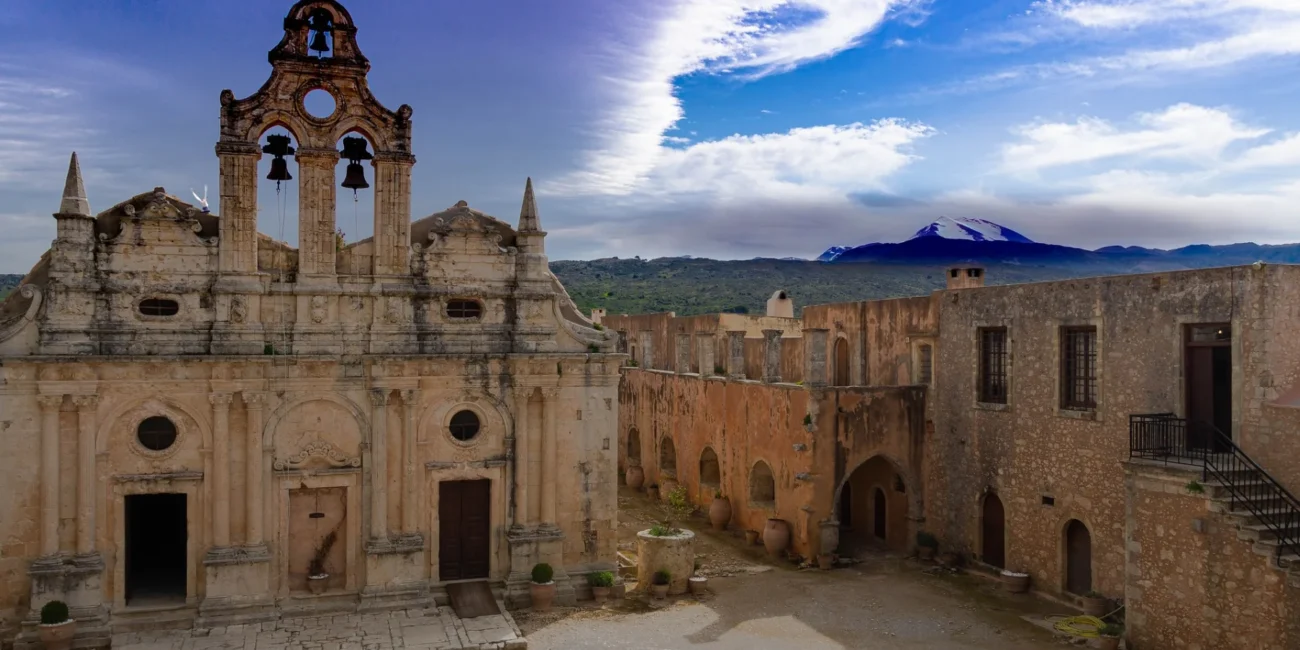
{"x":1016,"y":583}
{"x":542,"y":588}
{"x":316,"y":573}
{"x":659,"y":585}
{"x":699,"y":585}
{"x":926,"y":545}
{"x":602,"y":582}
{"x":1110,"y":635}
{"x":56,"y":629}
{"x":719,"y":511}
{"x":1095,"y":604}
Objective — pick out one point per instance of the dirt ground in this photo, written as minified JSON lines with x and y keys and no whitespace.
{"x":885,"y":601}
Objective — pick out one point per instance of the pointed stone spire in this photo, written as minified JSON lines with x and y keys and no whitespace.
{"x":74,"y":191}
{"x":528,"y":221}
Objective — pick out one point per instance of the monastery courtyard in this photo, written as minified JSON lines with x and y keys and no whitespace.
{"x":884,"y":602}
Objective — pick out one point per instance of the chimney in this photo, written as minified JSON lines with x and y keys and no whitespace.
{"x":965,"y":277}
{"x":780,"y":305}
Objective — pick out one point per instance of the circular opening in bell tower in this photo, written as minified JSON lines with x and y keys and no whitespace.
{"x":319,"y":103}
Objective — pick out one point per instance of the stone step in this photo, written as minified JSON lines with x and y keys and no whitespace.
{"x":149,"y":618}
{"x":1262,"y":532}
{"x":304,"y":605}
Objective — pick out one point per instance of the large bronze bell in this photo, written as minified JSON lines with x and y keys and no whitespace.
{"x":354,"y":151}
{"x":279,"y":170}
{"x":278,"y":145}
{"x":319,"y":43}
{"x":356,"y":178}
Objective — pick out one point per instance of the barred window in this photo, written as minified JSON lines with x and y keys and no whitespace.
{"x":926,"y":358}
{"x":993,"y":365}
{"x":464,"y":309}
{"x":1079,"y":368}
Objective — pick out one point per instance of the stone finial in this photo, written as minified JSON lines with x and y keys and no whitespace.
{"x":74,"y":191}
{"x":528,"y":221}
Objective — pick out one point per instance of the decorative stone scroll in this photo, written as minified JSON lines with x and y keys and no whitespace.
{"x":317,"y":449}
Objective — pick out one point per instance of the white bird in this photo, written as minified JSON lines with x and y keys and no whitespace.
{"x":203,"y":201}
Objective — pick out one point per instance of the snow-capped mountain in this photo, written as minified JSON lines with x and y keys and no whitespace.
{"x":970,"y":229}
{"x":832,"y":253}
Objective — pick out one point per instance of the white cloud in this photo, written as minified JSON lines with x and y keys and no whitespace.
{"x":751,"y":38}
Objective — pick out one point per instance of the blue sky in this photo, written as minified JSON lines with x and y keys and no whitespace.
{"x":721,"y":128}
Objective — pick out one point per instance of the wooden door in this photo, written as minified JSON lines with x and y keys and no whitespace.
{"x":994,"y":532}
{"x":318,"y":525}
{"x":879,"y":515}
{"x":1078,"y":558}
{"x":841,"y":362}
{"x":1208,"y":382}
{"x":464,"y":547}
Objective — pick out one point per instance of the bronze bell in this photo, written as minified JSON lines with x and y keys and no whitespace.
{"x":356,"y":178}
{"x":279,"y":170}
{"x":278,"y":145}
{"x":320,"y":22}
{"x":319,"y":44}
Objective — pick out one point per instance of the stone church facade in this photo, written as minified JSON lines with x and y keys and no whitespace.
{"x":196,"y":417}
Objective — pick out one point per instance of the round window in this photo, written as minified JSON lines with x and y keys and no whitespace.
{"x":464,"y":426}
{"x":156,"y":433}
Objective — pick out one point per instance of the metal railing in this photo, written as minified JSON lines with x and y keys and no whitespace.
{"x":1165,"y":438}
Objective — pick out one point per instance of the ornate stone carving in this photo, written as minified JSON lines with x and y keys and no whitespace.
{"x":318,"y":309}
{"x":253,"y":400}
{"x":50,"y":402}
{"x":333,"y":456}
{"x":85,"y":402}
{"x":221,"y":399}
{"x":394,"y":311}
{"x":379,"y":397}
{"x":238,"y":309}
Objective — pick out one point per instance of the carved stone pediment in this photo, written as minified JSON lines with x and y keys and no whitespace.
{"x":317,"y":450}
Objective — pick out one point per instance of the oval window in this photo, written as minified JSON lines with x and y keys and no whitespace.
{"x":464,"y":426}
{"x":156,"y":433}
{"x":159,"y":307}
{"x":464,"y":309}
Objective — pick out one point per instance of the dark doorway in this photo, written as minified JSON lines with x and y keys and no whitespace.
{"x":1209,"y":385}
{"x":994,"y":532}
{"x":1078,"y":558}
{"x":156,"y":549}
{"x":464,"y":546}
{"x":841,"y":362}
{"x":879,"y":515}
{"x":846,"y":507}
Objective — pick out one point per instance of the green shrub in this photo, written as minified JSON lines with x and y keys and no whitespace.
{"x":1195,"y":487}
{"x":601,"y":579}
{"x":1111,"y":630}
{"x":719,"y":370}
{"x":54,"y":612}
{"x":926,"y":540}
{"x":660,"y":530}
{"x":542,"y":573}
{"x":662,"y":577}
{"x":1093,"y":594}
{"x":593,"y":348}
{"x":632,"y":363}
{"x":717,"y":494}
{"x":598,"y":327}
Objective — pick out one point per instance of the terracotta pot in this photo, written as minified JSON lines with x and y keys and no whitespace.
{"x":58,"y":636}
{"x":666,"y":488}
{"x":1097,"y":607}
{"x":926,"y":553}
{"x":699,"y":585}
{"x":720,"y":513}
{"x":1016,"y":583}
{"x":1109,"y":643}
{"x":776,"y":537}
{"x":825,"y":561}
{"x":660,"y":592}
{"x":751,"y":537}
{"x":316,"y":584}
{"x":601,"y":594}
{"x":634,"y":477}
{"x":830,"y":537}
{"x":543,"y":596}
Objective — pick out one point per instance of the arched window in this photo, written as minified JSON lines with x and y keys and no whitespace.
{"x":710,"y":472}
{"x":762,"y":486}
{"x":156,"y":433}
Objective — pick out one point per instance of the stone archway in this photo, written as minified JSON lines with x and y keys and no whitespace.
{"x":633,"y":447}
{"x":1078,"y":557}
{"x":879,"y":506}
{"x":842,"y":370}
{"x":993,"y":532}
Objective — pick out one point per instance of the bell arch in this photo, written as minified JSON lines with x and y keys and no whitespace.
{"x":299,"y":66}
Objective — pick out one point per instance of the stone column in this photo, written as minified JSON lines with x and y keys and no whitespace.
{"x":683,"y":353}
{"x":647,"y":349}
{"x":379,"y":463}
{"x":522,"y":435}
{"x":316,"y":207}
{"x":736,"y":360}
{"x":50,"y":405}
{"x":409,"y":489}
{"x":550,"y":457}
{"x":253,"y":506}
{"x":705,"y":352}
{"x":85,"y":472}
{"x":237,"y":247}
{"x":771,"y":356}
{"x":220,"y":469}
{"x":814,"y":351}
{"x":392,"y":213}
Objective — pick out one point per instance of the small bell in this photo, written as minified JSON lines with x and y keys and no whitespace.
{"x":320,"y":22}
{"x":319,"y":43}
{"x":356,"y":178}
{"x":279,"y":170}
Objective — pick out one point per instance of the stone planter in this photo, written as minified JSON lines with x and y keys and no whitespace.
{"x":776,"y":537}
{"x":316,"y":584}
{"x":543,"y":595}
{"x":601,"y":594}
{"x":634,"y":477}
{"x":1109,"y":643}
{"x":59,"y":635}
{"x":1016,"y":583}
{"x":1098,"y":606}
{"x":699,"y":585}
{"x":720,"y":513}
{"x":751,"y":537}
{"x":825,"y":561}
{"x":673,"y":553}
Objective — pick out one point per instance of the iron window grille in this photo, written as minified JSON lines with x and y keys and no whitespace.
{"x":464,"y":309}
{"x":993,"y":366}
{"x":1079,"y":368}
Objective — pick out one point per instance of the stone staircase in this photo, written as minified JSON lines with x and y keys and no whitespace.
{"x":1263,"y":538}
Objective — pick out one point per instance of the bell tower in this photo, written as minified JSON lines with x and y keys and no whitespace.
{"x":318,"y":52}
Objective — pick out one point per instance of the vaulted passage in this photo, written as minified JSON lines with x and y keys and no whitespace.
{"x":156,"y":549}
{"x":873,"y":508}
{"x":710,"y":473}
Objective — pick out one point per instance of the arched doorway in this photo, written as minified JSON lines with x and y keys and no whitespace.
{"x":880,"y":515}
{"x":633,"y":447}
{"x":993,"y":532}
{"x":667,"y":458}
{"x":1078,"y":558}
{"x":762,"y":486}
{"x":873,"y":507}
{"x":710,"y":472}
{"x":842,"y":362}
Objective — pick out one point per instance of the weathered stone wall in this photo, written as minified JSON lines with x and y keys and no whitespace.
{"x":879,"y":334}
{"x":665,"y":332}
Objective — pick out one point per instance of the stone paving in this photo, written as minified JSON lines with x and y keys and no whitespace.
{"x":431,"y":629}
